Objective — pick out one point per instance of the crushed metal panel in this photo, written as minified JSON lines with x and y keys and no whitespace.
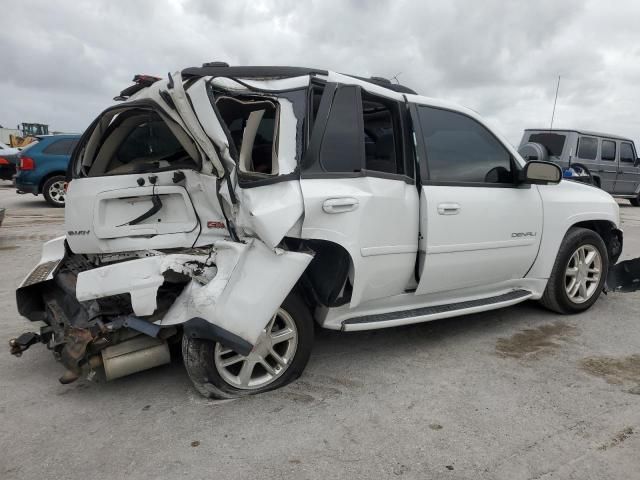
{"x":185,"y":110}
{"x":271,"y":211}
{"x":140,"y":278}
{"x":251,"y":283}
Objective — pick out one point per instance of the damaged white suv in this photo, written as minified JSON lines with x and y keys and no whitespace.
{"x":230,"y":208}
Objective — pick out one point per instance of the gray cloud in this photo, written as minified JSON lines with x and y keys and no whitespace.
{"x":63,"y":63}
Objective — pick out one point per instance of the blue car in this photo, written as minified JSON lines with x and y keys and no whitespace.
{"x":43,"y":167}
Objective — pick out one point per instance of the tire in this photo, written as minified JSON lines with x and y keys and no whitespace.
{"x":569,"y":268}
{"x":203,"y":358}
{"x":53,"y":191}
{"x":635,"y":201}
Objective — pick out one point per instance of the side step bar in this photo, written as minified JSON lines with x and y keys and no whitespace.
{"x":424,"y":314}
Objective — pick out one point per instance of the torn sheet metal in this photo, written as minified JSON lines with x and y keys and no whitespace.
{"x":271,"y":211}
{"x":183,"y":106}
{"x":141,"y":278}
{"x":252,"y":281}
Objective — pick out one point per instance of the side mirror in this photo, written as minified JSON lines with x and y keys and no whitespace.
{"x":542,"y":173}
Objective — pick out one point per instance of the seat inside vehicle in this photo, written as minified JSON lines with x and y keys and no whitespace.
{"x":140,"y":140}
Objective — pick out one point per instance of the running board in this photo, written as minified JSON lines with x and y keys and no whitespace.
{"x":424,"y":314}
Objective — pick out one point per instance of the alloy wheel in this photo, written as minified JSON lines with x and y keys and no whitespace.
{"x":269,"y":359}
{"x":57,"y":193}
{"x":583,"y":272}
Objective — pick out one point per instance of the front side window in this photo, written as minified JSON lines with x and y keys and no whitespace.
{"x":61,"y":147}
{"x":608,"y":150}
{"x":460,"y":149}
{"x":626,"y":153}
{"x":587,"y":148}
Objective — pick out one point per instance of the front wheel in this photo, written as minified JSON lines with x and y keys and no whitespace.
{"x":53,"y":191}
{"x":278,"y":357}
{"x":579,"y":273}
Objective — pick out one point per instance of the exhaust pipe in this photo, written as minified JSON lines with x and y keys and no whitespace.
{"x":134,"y":355}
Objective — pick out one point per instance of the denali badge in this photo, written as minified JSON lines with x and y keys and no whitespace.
{"x":523,"y":234}
{"x":78,"y":232}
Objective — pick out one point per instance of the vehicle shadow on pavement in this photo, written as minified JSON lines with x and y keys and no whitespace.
{"x":356,"y":356}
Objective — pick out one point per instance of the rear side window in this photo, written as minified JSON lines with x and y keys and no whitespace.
{"x":588,"y":148}
{"x":608,"y":150}
{"x":342,"y":147}
{"x":252,"y":126}
{"x":553,"y":142}
{"x":382,"y":135}
{"x":61,"y":147}
{"x":459,"y":149}
{"x":626,"y":153}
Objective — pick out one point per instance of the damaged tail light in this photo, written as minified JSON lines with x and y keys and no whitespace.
{"x":27,"y":163}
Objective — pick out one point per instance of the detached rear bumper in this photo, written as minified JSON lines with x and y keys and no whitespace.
{"x":624,"y":276}
{"x":227,"y":293}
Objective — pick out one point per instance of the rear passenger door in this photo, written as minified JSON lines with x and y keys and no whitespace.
{"x":628,"y":172}
{"x":478,"y":226}
{"x":359,"y":190}
{"x":608,"y":165}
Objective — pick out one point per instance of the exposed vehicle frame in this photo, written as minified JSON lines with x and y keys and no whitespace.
{"x":287,"y":195}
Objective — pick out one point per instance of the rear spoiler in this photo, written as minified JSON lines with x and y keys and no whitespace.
{"x":140,"y":82}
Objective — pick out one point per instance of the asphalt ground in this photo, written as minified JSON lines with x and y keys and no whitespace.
{"x":511,"y":394}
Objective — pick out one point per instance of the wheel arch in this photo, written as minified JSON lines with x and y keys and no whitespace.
{"x":327,"y":280}
{"x":610,"y":234}
{"x":46,"y":177}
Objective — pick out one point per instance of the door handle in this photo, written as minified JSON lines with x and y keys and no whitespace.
{"x":340,"y":205}
{"x":449,"y":209}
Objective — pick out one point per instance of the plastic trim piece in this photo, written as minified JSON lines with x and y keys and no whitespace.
{"x":200,"y":328}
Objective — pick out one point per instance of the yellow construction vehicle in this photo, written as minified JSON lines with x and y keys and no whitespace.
{"x":30,"y":132}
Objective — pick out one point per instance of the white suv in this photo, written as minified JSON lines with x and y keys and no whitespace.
{"x":228,"y":208}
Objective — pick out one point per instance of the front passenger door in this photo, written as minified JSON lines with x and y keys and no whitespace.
{"x":478,"y":226}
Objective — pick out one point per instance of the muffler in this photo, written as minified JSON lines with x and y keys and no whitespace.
{"x":134,"y":355}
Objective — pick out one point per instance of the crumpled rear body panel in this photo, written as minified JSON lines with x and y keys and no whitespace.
{"x":216,"y":244}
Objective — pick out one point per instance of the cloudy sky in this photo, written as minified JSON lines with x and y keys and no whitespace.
{"x":62,"y":62}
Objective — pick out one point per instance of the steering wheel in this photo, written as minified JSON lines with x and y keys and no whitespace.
{"x":581,"y":171}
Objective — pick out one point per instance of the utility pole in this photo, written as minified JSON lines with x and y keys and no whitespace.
{"x":554,"y":103}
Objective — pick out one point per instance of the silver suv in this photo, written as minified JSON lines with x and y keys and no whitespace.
{"x":609,"y":160}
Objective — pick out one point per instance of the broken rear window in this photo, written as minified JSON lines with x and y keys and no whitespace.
{"x":141,"y":140}
{"x":253,"y":126}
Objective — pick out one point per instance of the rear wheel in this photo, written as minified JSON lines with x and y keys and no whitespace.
{"x":278,"y":357}
{"x":578,"y":274}
{"x":53,"y":191}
